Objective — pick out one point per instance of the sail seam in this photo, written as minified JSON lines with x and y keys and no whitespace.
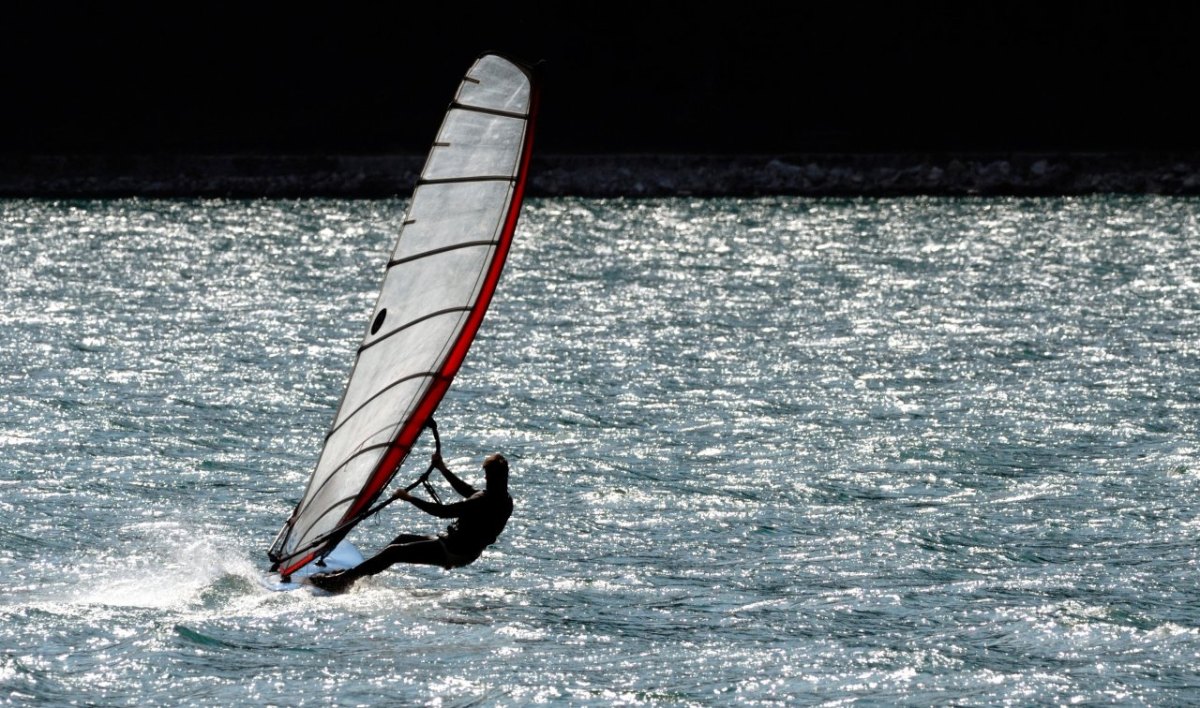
{"x":380,"y":392}
{"x":348,"y":499}
{"x":342,"y":465}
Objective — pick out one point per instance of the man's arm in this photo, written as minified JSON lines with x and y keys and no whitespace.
{"x":444,"y":511}
{"x":463,"y":489}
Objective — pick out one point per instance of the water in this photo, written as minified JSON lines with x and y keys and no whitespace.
{"x":779,"y":451}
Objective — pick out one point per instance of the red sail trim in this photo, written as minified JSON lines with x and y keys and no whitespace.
{"x":406,"y":438}
{"x":297,"y":565}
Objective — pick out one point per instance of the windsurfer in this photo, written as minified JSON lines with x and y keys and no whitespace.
{"x":478,"y":521}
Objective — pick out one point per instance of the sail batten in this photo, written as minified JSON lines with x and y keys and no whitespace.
{"x":460,"y":180}
{"x":437,"y":286}
{"x":490,"y":111}
{"x":436,"y":251}
{"x":406,"y":325}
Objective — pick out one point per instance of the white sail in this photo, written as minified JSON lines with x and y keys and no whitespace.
{"x":439,"y":282}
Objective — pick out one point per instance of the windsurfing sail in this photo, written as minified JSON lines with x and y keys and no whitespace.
{"x":438,"y":283}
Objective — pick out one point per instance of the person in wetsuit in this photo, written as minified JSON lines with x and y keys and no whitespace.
{"x":478,"y":521}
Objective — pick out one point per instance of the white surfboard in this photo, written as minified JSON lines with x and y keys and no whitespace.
{"x":343,"y":556}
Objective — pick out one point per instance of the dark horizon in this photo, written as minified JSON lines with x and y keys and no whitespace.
{"x":628,"y":79}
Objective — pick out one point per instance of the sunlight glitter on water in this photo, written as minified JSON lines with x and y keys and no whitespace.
{"x":766,"y":451}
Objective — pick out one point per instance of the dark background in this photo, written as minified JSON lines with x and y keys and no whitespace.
{"x":619,"y":77}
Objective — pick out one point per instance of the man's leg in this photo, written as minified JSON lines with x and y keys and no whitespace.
{"x":405,"y":548}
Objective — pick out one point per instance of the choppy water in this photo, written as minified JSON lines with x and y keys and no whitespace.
{"x":778,"y":451}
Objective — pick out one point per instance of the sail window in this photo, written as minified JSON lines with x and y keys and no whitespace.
{"x":378,"y":321}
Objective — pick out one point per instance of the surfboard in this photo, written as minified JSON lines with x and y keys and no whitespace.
{"x":343,"y":556}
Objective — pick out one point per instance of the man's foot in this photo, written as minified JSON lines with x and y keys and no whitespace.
{"x":337,"y":581}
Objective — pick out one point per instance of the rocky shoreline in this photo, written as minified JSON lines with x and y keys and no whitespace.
{"x":382,"y":176}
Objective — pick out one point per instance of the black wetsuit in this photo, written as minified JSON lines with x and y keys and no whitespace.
{"x":479,"y":519}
